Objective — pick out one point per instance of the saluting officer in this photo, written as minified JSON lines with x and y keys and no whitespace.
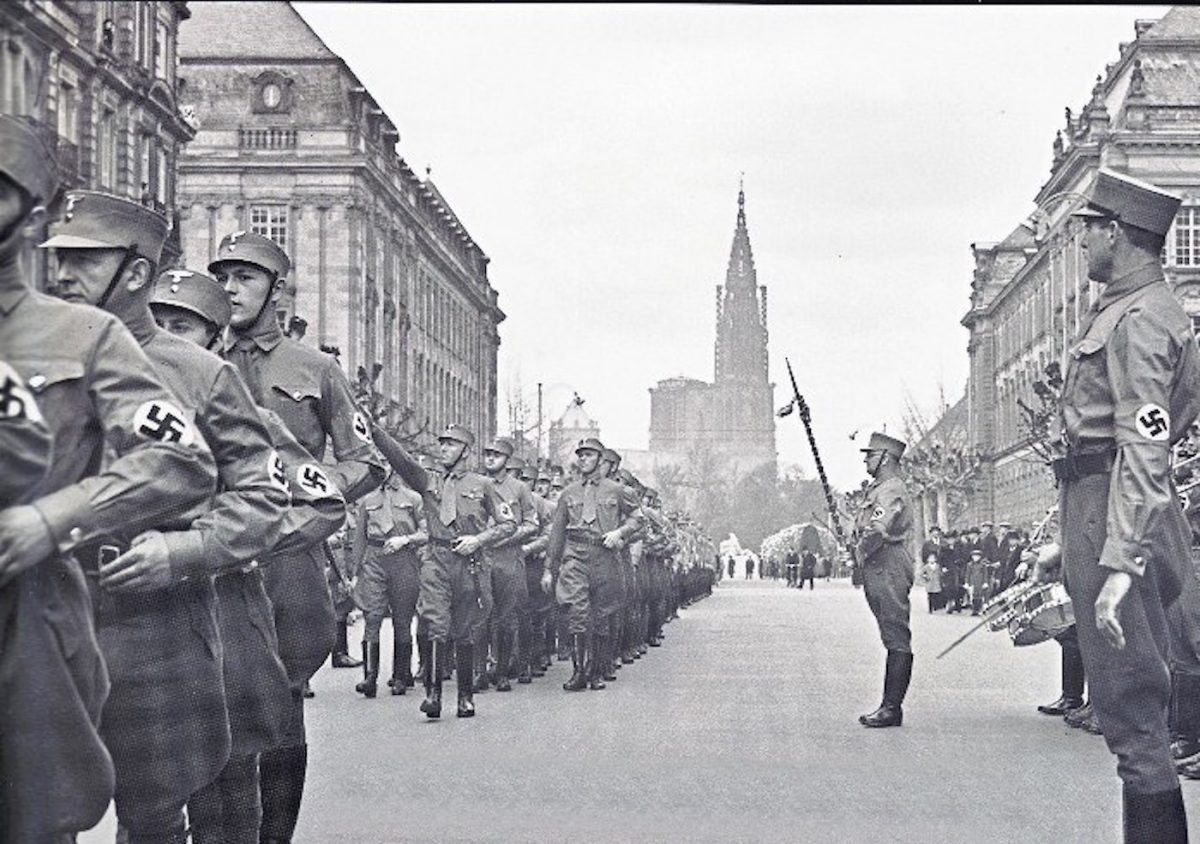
{"x":391,"y":531}
{"x":593,"y":519}
{"x":1131,"y":390}
{"x":194,"y":307}
{"x":882,"y":526}
{"x":309,"y":391}
{"x":463,"y":515}
{"x":125,"y":459}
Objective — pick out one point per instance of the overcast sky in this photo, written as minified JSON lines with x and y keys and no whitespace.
{"x":594,"y":153}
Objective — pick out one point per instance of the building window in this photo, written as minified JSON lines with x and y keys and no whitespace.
{"x":270,"y":221}
{"x":68,"y":113}
{"x":1183,"y":244}
{"x":162,"y":40}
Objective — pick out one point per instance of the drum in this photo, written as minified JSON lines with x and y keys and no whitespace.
{"x":1045,"y":612}
{"x":1003,"y":608}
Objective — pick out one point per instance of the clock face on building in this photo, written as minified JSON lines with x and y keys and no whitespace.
{"x":271,"y":95}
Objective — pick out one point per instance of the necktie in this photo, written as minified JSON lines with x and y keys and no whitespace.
{"x":448,"y":510}
{"x":244,"y":356}
{"x":589,"y":501}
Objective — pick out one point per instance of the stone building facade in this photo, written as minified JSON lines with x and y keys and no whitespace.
{"x":101,"y":80}
{"x":734,"y":415}
{"x":1029,"y":290}
{"x":292,"y":145}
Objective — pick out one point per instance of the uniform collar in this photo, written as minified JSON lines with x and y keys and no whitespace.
{"x":266,"y":336}
{"x":141,"y":326}
{"x":12,"y":287}
{"x":1130,"y":282}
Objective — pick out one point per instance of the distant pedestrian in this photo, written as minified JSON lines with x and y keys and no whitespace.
{"x":808,"y":569}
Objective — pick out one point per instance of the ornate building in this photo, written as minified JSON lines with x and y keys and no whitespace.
{"x":567,"y":430}
{"x":100,"y":78}
{"x":293,"y":146}
{"x":734,"y":416}
{"x":1029,"y":290}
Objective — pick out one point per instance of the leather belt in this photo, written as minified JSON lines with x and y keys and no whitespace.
{"x":1075,"y":466}
{"x":372,"y":542}
{"x":585,"y":537}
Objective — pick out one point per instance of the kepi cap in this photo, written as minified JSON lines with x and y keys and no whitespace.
{"x":26,"y":160}
{"x":1130,"y":201}
{"x":192,"y":291}
{"x":458,"y":434}
{"x":250,"y":248}
{"x":500,"y":445}
{"x":611,"y":456}
{"x":95,"y":220}
{"x":882,"y":442}
{"x":590,"y":444}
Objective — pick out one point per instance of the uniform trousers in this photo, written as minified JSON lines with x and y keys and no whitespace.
{"x":57,"y":774}
{"x":510,"y":592}
{"x":1129,"y":688}
{"x":1183,"y":625}
{"x":452,"y":589}
{"x":589,"y":586}
{"x":389,"y":583}
{"x":165,"y":721}
{"x":887,"y":579}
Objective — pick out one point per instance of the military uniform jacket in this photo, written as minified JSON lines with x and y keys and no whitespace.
{"x":593,"y":506}
{"x":387,"y":512}
{"x":1132,"y":383}
{"x":884,"y":518}
{"x":544,"y":511}
{"x":243,"y":519}
{"x":126,"y":458}
{"x":309,"y":391}
{"x":24,"y":439}
{"x":317,"y":509}
{"x":519,"y":499}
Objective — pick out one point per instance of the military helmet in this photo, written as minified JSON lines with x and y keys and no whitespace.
{"x":500,"y":445}
{"x":590,"y":444}
{"x":611,"y":456}
{"x":515,"y":462}
{"x":26,"y":160}
{"x":193,"y":291}
{"x":458,"y":434}
{"x":529,"y":474}
{"x":94,"y":220}
{"x":250,"y":248}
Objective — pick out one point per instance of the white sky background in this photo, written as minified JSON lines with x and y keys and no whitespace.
{"x":594,"y":151}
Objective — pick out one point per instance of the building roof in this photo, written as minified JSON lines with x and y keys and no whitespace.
{"x":576,"y":417}
{"x":249,"y":30}
{"x":1179,"y":22}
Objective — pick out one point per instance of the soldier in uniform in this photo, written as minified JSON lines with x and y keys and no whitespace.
{"x":505,"y":561}
{"x":391,"y":531}
{"x":593,"y":519}
{"x":535,"y":646}
{"x":1131,"y":390}
{"x":157,"y":619}
{"x":882,"y":527}
{"x":193,"y":306}
{"x":125,"y":459}
{"x":309,"y":391}
{"x":464,"y":514}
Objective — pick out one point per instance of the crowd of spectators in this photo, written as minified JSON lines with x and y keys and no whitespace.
{"x":961,"y":569}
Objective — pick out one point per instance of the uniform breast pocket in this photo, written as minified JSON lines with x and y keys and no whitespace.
{"x":57,"y":388}
{"x":299,"y":406}
{"x":575,"y":509}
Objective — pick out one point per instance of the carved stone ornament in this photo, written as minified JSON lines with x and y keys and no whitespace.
{"x":271,"y":93}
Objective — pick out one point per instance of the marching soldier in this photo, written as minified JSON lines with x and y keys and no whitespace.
{"x":391,"y":532}
{"x":308,"y":390}
{"x":99,"y":395}
{"x":593,"y":519}
{"x":536,"y":632}
{"x":510,"y":596}
{"x":882,"y":527}
{"x":193,"y":306}
{"x":464,"y":514}
{"x":1131,"y":390}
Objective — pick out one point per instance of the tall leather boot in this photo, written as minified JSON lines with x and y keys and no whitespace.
{"x":525,"y":654}
{"x":422,"y":653}
{"x":538,"y":656}
{"x":562,"y":637}
{"x":1185,"y":750}
{"x":464,"y":660}
{"x":503,"y":657}
{"x":369,"y":684}
{"x":1072,"y":683}
{"x":482,"y":681}
{"x":895,"y":686}
{"x":616,"y":635}
{"x":402,"y":678}
{"x":282,"y":772}
{"x":601,"y":662}
{"x":341,"y":651}
{"x":1157,"y":818}
{"x":579,"y":655}
{"x":432,"y":705}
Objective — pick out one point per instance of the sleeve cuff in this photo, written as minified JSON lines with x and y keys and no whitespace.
{"x":70,"y":517}
{"x":1123,"y":556}
{"x":186,"y":551}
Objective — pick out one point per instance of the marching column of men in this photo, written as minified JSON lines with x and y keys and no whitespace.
{"x":166,"y":505}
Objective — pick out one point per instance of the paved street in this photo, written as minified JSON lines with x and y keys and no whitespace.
{"x":741,"y":728}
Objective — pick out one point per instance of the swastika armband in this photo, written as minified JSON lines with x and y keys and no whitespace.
{"x":276,"y":471}
{"x":361,"y":429}
{"x":1152,"y":422}
{"x":161,"y":421}
{"x":315,"y":483}
{"x":16,"y":404}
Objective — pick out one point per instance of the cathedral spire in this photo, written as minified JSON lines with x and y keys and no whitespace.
{"x":740,"y":272}
{"x":740,"y":349}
